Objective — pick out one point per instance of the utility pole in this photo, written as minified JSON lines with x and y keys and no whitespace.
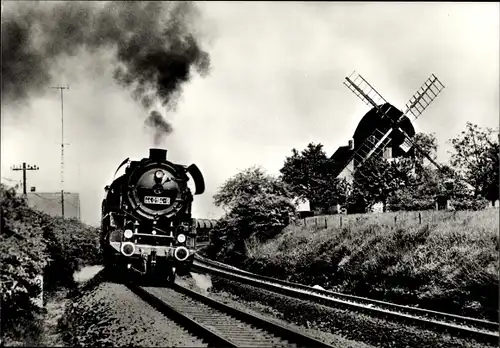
{"x":24,"y":168}
{"x":62,"y":146}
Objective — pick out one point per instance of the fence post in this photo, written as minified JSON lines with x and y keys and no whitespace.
{"x":340,"y":221}
{"x":419,"y":218}
{"x":395,"y":217}
{"x":326,"y":225}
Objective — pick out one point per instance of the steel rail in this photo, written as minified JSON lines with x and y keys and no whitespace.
{"x":479,"y":329}
{"x":230,"y":333}
{"x":189,"y":323}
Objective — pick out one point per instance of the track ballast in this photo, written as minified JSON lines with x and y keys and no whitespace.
{"x":219,"y":324}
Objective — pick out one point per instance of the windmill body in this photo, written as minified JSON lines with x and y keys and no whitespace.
{"x":385,"y":130}
{"x":343,"y":158}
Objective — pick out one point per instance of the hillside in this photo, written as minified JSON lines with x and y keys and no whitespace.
{"x":441,"y":260}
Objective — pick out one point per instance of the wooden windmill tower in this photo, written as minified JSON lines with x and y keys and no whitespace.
{"x":391,"y":119}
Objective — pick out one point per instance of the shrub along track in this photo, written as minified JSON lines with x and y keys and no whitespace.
{"x":218,"y":323}
{"x":480,"y":330}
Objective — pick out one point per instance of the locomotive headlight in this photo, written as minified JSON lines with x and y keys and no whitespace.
{"x":159,"y":174}
{"x":181,"y":238}
{"x":128,"y":234}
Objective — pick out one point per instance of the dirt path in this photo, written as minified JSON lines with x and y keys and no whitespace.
{"x":86,"y":273}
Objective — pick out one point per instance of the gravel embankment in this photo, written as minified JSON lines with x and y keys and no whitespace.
{"x":334,"y":326}
{"x":109,"y":314}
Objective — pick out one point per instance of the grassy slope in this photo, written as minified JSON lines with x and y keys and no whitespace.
{"x":448,"y":261}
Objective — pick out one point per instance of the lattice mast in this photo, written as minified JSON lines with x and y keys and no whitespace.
{"x":62,"y":146}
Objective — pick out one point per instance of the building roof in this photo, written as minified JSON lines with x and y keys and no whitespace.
{"x":50,"y":203}
{"x":340,"y":159}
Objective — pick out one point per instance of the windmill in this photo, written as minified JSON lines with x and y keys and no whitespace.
{"x":381,"y":136}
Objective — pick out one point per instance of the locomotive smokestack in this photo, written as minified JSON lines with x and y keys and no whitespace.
{"x":158,"y":154}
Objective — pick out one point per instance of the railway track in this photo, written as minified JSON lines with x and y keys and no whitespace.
{"x":219,"y":324}
{"x":481,"y":330}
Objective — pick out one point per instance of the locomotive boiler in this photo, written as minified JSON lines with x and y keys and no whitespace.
{"x":146,"y":225}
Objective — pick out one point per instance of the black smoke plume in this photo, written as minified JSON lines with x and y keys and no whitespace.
{"x":154,"y":44}
{"x":160,"y":126}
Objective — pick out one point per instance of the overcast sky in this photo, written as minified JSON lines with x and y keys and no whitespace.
{"x":275,"y":84}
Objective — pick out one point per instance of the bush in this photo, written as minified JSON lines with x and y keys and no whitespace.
{"x":470,"y":204}
{"x":34,"y":243}
{"x":71,"y":245}
{"x":22,"y":257}
{"x":407,"y":203}
{"x":260,"y":218}
{"x":259,"y":207}
{"x":404,"y":202}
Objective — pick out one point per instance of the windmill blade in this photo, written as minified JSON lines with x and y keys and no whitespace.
{"x":416,"y":106}
{"x":424,"y":97}
{"x":380,"y":138}
{"x":372,"y":146}
{"x":408,"y":143}
{"x":363,"y":90}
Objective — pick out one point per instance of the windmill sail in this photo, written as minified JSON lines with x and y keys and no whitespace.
{"x":407,"y":144}
{"x":416,"y":106}
{"x":424,"y":97}
{"x":363,"y":90}
{"x":379,"y":139}
{"x":376,"y":143}
{"x":372,"y":146}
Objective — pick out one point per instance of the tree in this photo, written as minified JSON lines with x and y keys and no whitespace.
{"x":258,"y":206}
{"x":429,"y":181}
{"x":476,"y":159}
{"x":427,"y":143}
{"x":248,"y":183}
{"x":309,"y":175}
{"x":397,"y":181}
{"x":376,"y":181}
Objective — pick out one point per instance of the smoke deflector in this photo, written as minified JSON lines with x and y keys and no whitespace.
{"x":199,"y":182}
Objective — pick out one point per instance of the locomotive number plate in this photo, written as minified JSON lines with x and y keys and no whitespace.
{"x":157,"y":200}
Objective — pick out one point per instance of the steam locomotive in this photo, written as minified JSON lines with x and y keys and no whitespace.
{"x":146,"y":223}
